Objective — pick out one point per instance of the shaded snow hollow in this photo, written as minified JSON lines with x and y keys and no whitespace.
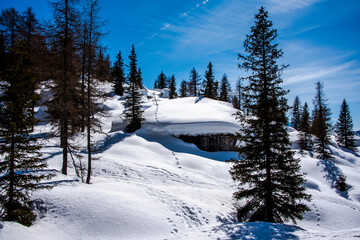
{"x":150,"y":185}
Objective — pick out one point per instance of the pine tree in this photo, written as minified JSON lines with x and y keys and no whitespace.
{"x":160,"y":82}
{"x":35,"y":40}
{"x":102,"y":65}
{"x":305,"y":137}
{"x":118,"y":75}
{"x":21,"y":164}
{"x":172,"y":88}
{"x":269,"y":177}
{"x":210,"y":86}
{"x":295,"y":119}
{"x":225,"y":89}
{"x":11,"y":21}
{"x":2,"y":53}
{"x":235,"y":102}
{"x":321,"y":126}
{"x":133,"y":111}
{"x":96,"y":70}
{"x":237,"y":98}
{"x":183,"y":92}
{"x":139,"y":78}
{"x":64,"y":108}
{"x":344,"y":128}
{"x":194,"y":82}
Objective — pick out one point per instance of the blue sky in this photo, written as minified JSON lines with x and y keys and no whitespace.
{"x":320,"y":40}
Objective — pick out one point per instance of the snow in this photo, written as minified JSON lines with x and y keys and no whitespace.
{"x":152,"y":185}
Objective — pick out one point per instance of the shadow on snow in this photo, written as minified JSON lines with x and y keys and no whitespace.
{"x":258,"y":231}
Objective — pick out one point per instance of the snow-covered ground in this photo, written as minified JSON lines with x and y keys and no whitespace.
{"x":151,"y":185}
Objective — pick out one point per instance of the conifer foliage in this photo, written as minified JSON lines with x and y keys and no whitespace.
{"x":224,"y":89}
{"x":133,"y":111}
{"x":20,"y":161}
{"x":269,"y":176}
{"x":194,"y":82}
{"x":295,"y":120}
{"x":64,"y":110}
{"x":344,"y":127}
{"x":305,"y":137}
{"x":321,"y":126}
{"x":210,"y":86}
{"x":172,"y":88}
{"x":161,"y":81}
{"x":183,"y":91}
{"x":118,"y":75}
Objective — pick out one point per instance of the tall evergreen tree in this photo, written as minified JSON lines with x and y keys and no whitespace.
{"x":225,"y":89}
{"x":305,"y":137}
{"x":235,"y":102}
{"x":133,"y":111}
{"x":210,"y":86}
{"x":344,"y":127}
{"x":194,"y":82}
{"x":64,"y":111}
{"x":21,"y":164}
{"x":139,"y":78}
{"x":102,"y":65}
{"x":160,"y":82}
{"x":269,"y":176}
{"x":11,"y":21}
{"x":95,"y":69}
{"x":172,"y":88}
{"x":295,"y":119}
{"x":183,"y":92}
{"x":2,"y":53}
{"x":118,"y":75}
{"x":237,"y":98}
{"x":321,"y":125}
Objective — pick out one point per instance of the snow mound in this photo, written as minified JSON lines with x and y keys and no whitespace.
{"x":193,"y":116}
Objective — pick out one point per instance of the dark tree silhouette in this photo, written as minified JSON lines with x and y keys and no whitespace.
{"x":172,"y":88}
{"x":21,"y":164}
{"x":194,"y":83}
{"x":118,"y":73}
{"x":271,"y":186}
{"x":344,"y":127}
{"x":295,"y":119}
{"x":133,"y":111}
{"x":321,"y":126}
{"x":305,"y":137}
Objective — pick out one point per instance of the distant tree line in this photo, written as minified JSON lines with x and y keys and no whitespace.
{"x":319,"y":124}
{"x":196,"y":86}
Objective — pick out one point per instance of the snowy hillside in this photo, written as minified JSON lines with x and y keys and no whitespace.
{"x":151,"y":185}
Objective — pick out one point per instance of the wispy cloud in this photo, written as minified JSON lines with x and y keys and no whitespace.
{"x":306,"y":74}
{"x":181,"y":15}
{"x":285,"y":6}
{"x":166,"y":26}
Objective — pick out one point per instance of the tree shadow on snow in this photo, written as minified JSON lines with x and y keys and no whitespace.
{"x":109,"y":141}
{"x":258,"y":231}
{"x":332,"y":173}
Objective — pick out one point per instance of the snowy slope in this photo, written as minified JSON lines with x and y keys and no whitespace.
{"x":151,"y":185}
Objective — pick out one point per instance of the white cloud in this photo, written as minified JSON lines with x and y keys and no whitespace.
{"x":166,"y":25}
{"x":313,"y":74}
{"x":283,"y":6}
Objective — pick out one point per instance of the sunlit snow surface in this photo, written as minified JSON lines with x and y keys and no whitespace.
{"x":151,"y":185}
